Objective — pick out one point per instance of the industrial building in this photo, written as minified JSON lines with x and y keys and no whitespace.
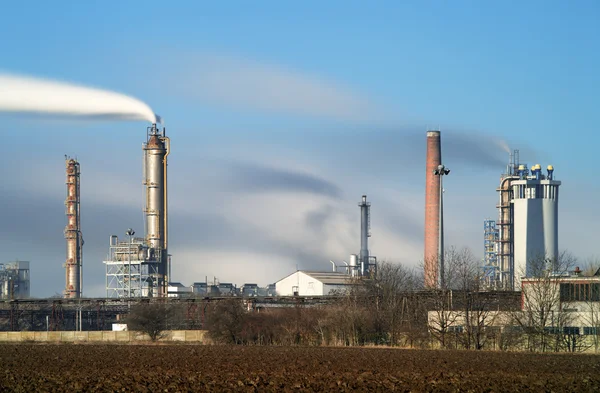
{"x":566,"y":304}
{"x":535,"y":200}
{"x":14,"y":280}
{"x":310,"y":283}
{"x":315,"y":283}
{"x":140,"y":267}
{"x":527,"y":226}
{"x":177,"y":289}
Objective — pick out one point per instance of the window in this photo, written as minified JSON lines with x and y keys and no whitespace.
{"x":579,"y":292}
{"x":570,"y":330}
{"x":590,"y":330}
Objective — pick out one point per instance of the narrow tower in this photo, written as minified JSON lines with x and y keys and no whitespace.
{"x":73,"y":232}
{"x":365,"y":233}
{"x":432,"y":209}
{"x":156,"y":149}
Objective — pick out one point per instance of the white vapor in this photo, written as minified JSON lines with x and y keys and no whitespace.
{"x":248,"y":84}
{"x":21,"y":94}
{"x":503,"y":145}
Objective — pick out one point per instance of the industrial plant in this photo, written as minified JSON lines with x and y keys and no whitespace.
{"x":527,"y":226}
{"x":138,"y":266}
{"x":14,"y":280}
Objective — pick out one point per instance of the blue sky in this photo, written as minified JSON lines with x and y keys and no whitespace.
{"x":318,"y":103}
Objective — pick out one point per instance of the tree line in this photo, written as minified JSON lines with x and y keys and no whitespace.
{"x":395,"y":310}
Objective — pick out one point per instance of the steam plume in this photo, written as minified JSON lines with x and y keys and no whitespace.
{"x":20,"y":94}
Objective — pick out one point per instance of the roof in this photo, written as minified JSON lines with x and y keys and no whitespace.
{"x":331,"y":278}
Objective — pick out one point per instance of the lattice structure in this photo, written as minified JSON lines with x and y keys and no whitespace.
{"x":131,"y":269}
{"x":490,"y":274}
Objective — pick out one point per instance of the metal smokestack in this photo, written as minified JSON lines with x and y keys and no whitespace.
{"x":74,"y":260}
{"x":432,"y":209}
{"x":365,"y":233}
{"x":156,"y":150}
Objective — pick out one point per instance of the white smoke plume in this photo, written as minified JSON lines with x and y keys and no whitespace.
{"x":503,"y":145}
{"x":24,"y":94}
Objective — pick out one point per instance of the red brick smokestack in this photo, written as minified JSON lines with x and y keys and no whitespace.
{"x":432,"y":209}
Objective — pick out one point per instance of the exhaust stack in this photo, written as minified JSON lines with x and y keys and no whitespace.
{"x":73,"y":236}
{"x":156,"y":149}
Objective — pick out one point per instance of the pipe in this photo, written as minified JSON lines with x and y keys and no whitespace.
{"x":167,"y":143}
{"x":347,"y":267}
{"x":364,"y":234}
{"x":168,"y":148}
{"x":442,"y":282}
{"x":333,"y":263}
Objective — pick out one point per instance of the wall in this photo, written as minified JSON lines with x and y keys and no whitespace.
{"x":101,"y":336}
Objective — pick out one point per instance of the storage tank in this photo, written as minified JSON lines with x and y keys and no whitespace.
{"x":353,"y":264}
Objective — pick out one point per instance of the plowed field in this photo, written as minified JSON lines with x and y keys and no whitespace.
{"x":176,"y":368}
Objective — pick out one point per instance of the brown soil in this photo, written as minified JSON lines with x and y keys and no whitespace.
{"x":176,"y":368}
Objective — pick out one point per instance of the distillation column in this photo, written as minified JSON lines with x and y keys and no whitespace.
{"x":365,"y":233}
{"x":156,"y":150}
{"x":73,"y":232}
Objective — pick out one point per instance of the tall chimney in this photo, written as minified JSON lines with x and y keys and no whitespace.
{"x":432,"y":209}
{"x":73,"y":231}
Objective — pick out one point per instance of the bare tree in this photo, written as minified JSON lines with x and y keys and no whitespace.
{"x":543,"y":318}
{"x":460,"y":309}
{"x":443,"y":317}
{"x":592,"y":320}
{"x":150,"y":318}
{"x":225,"y":321}
{"x":390,"y":293}
{"x":590,"y":266}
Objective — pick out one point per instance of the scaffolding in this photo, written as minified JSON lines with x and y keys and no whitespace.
{"x":132,"y":269}
{"x":505,"y":249}
{"x":14,"y":280}
{"x":490,"y":274}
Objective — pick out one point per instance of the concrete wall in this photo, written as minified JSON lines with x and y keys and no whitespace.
{"x":101,"y":336}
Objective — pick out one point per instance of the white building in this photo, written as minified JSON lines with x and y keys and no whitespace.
{"x":535,"y":200}
{"x":177,"y":289}
{"x":568,"y":305}
{"x":308,"y":283}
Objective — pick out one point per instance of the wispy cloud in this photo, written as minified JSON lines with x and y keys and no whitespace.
{"x":249,"y":84}
{"x":250,"y":177}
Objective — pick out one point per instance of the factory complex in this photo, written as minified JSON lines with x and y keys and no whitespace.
{"x":520,"y":244}
{"x":140,"y":266}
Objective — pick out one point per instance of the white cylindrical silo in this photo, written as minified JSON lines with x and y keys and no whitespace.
{"x":535,"y":200}
{"x":353,"y":264}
